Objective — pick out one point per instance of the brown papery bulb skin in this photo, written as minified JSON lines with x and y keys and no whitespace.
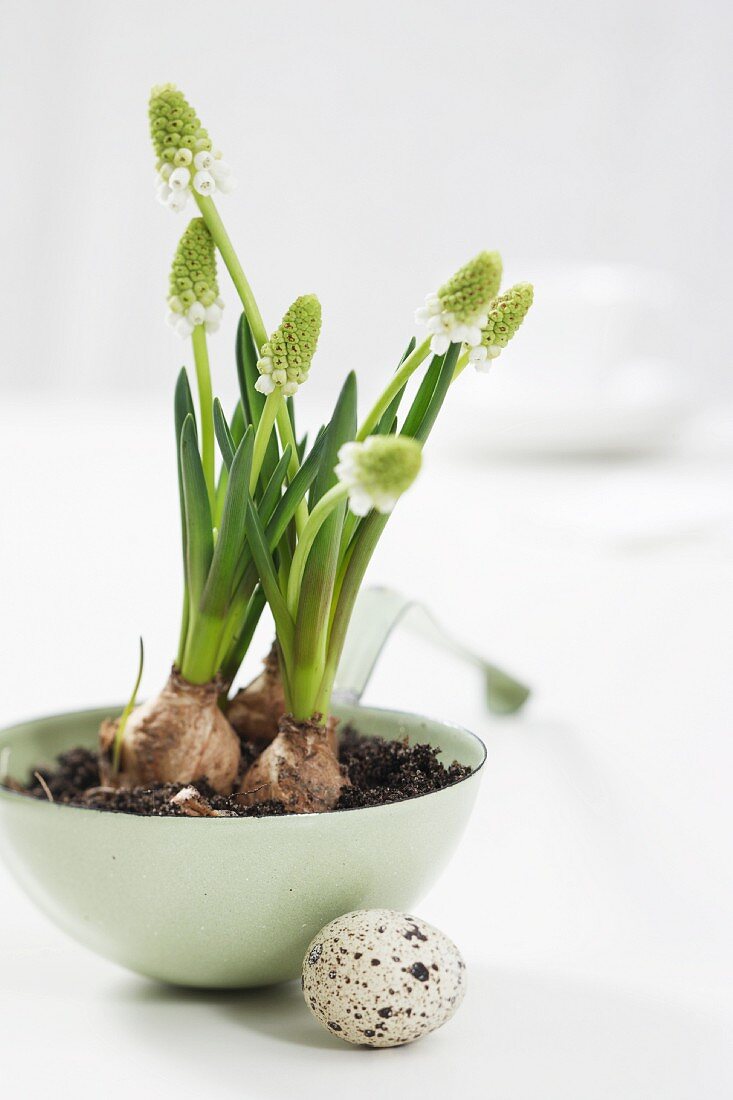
{"x":299,"y":768}
{"x":178,"y":736}
{"x":256,"y":710}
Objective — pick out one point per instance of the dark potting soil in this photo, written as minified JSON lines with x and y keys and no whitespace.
{"x":390,"y":771}
{"x":380,"y":772}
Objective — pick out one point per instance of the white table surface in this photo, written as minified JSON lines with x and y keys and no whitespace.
{"x":592,"y":894}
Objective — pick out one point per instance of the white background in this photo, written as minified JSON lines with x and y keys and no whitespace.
{"x":377,"y":148}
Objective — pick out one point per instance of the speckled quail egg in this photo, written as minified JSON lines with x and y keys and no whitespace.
{"x":382,"y":978}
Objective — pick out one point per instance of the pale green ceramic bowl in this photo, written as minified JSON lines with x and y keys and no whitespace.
{"x":225,"y":902}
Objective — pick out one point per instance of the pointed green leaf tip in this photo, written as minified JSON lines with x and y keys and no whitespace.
{"x":378,"y":471}
{"x":286,"y":357}
{"x":468,"y":293}
{"x":194,"y":290}
{"x":185,"y":160}
{"x":506,"y":314}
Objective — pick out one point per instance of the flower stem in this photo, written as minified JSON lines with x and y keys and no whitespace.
{"x":307,"y":536}
{"x":221,"y":239}
{"x":287,"y":438}
{"x":396,"y":382}
{"x":226,"y":250}
{"x":350,"y":580}
{"x":285,"y":428}
{"x":270,"y":411}
{"x":206,"y":403}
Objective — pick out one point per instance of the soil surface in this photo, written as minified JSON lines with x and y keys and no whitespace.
{"x":380,"y":772}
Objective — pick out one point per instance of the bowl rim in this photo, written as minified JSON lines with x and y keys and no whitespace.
{"x":8,"y":793}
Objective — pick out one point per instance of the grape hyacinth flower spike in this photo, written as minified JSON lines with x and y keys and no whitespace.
{"x":459,"y":310}
{"x":378,"y":471}
{"x":505,"y":315}
{"x":185,"y":158}
{"x":194,"y":291}
{"x":286,"y":357}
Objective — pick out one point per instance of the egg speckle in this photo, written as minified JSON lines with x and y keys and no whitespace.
{"x":382,"y":978}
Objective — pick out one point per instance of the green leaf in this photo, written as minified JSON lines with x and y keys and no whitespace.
{"x":277,"y":525}
{"x":421,"y":400}
{"x":124,"y":717}
{"x":237,"y":425}
{"x":272,"y":494}
{"x":199,"y":537}
{"x":240,"y":645}
{"x":182,"y":407}
{"x":223,"y":434}
{"x":236,"y":431}
{"x":357,"y":555}
{"x":351,"y":575}
{"x":245,"y":573}
{"x":296,"y":490}
{"x":244,"y":351}
{"x":407,"y":352}
{"x":388,"y":424}
{"x":387,"y":421}
{"x":291,"y":413}
{"x":248,"y":574}
{"x":341,"y":429}
{"x":420,"y":426}
{"x":319,"y":576}
{"x":268,"y":578}
{"x":229,"y":544}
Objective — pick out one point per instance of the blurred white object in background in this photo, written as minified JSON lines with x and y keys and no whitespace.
{"x":591,"y":371}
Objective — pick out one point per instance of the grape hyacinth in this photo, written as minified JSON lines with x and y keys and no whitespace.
{"x":185,"y":158}
{"x":459,"y":310}
{"x":194,"y":290}
{"x":378,"y":471}
{"x":505,"y":315}
{"x":269,"y":519}
{"x":286,"y":357}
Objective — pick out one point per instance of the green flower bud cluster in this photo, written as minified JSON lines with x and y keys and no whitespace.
{"x":193,"y":274}
{"x":457,"y":313}
{"x":504,"y":317}
{"x":186,"y":163}
{"x":286,"y":357}
{"x":175,"y":127}
{"x":467,"y":294}
{"x":194,"y":289}
{"x":378,"y":471}
{"x":506,"y":314}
